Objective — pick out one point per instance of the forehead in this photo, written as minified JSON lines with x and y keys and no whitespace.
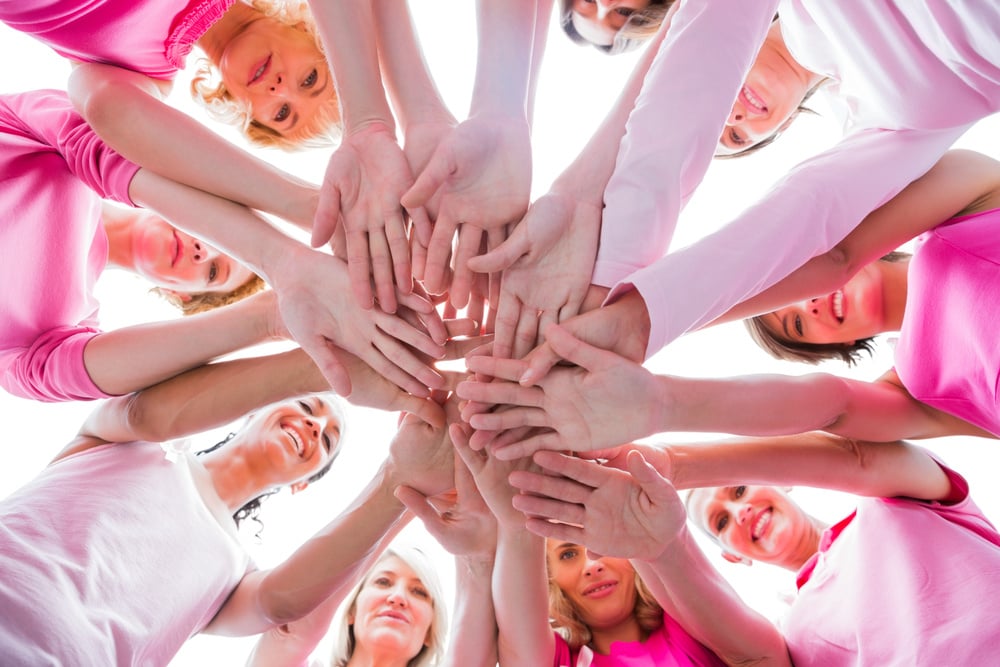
{"x":700,"y":502}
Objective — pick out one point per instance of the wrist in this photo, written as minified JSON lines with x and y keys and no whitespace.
{"x":368,"y":126}
{"x":629,"y":310}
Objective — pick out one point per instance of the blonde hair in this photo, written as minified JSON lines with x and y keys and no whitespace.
{"x":321,"y":129}
{"x":433,"y":650}
{"x":201,"y":302}
{"x":638,"y":28}
{"x":565,"y":620}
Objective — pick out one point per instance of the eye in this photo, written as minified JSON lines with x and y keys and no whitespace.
{"x":735,"y":137}
{"x":213,"y":272}
{"x":420,"y":592}
{"x":327,"y":442}
{"x":739,"y":491}
{"x":283,"y":113}
{"x":305,"y":407}
{"x":310,"y":80}
{"x":798,"y":325}
{"x":625,"y":11}
{"x":382,"y":581}
{"x":568,"y":554}
{"x":721,"y":523}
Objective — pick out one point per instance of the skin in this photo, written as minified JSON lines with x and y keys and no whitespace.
{"x":774,"y":88}
{"x":609,"y":613}
{"x":392,"y":614}
{"x":146,"y":244}
{"x":756,"y":523}
{"x":598,"y":21}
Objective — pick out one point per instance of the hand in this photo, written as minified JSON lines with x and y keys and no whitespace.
{"x":421,"y":456}
{"x":623,"y":514}
{"x":483,"y":173}
{"x":421,"y":141}
{"x":465,"y":527}
{"x":547,"y":264}
{"x":369,"y":389}
{"x":363,"y":184}
{"x":319,"y":313}
{"x":622,"y":327}
{"x":491,"y":476}
{"x":578,"y":408}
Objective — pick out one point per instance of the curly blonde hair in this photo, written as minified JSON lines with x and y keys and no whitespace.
{"x":207,"y":88}
{"x":200,"y":302}
{"x":565,"y":620}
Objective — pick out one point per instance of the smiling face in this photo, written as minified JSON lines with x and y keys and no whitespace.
{"x":756,"y":522}
{"x":393,"y":611}
{"x":598,"y":21}
{"x":172,"y":259}
{"x":277,"y":71}
{"x":602,"y":590}
{"x":769,"y":98}
{"x":856,"y":311}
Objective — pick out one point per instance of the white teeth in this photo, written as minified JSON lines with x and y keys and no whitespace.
{"x":838,"y":304}
{"x":758,"y":525}
{"x":259,"y":73}
{"x":295,"y":439}
{"x":754,"y":100}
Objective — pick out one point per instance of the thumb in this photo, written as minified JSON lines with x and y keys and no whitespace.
{"x":331,"y":368}
{"x":576,"y":351}
{"x":504,"y":255}
{"x":437,"y":171}
{"x":417,"y":503}
{"x":653,"y":484}
{"x":327,"y":216}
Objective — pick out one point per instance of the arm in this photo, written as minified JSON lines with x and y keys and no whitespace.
{"x":962,"y":182}
{"x":125,"y":108}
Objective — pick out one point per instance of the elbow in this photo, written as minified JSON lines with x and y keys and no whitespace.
{"x":279,"y":607}
{"x":98,"y":98}
{"x":145,"y":422}
{"x":838,"y":265}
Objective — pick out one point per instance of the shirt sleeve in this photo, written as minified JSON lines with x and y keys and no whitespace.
{"x":804,"y":215}
{"x":48,"y":118}
{"x":673,"y":130}
{"x":51,"y":369}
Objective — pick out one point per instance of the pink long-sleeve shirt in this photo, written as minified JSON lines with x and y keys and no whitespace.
{"x":54,"y":171}
{"x":913,"y":75}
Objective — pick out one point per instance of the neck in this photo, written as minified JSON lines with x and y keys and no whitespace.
{"x":364,"y":656}
{"x":218,"y":36}
{"x":118,"y":224}
{"x":627,"y":630}
{"x":894,"y":283}
{"x":807,"y":545}
{"x":231,"y":476}
{"x":808,"y":78}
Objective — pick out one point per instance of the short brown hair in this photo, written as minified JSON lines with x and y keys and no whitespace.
{"x":204,"y":301}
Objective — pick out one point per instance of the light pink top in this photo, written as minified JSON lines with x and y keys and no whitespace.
{"x":905,"y":583}
{"x":54,"y":171}
{"x":948,"y":354}
{"x":915,"y":76}
{"x":668,"y":646}
{"x":149,"y":37}
{"x":112,"y":557}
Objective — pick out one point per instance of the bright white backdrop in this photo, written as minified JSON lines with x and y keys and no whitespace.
{"x":577,"y":87}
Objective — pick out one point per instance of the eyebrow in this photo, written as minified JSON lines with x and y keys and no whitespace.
{"x":295,"y":114}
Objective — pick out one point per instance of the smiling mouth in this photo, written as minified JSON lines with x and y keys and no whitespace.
{"x":837,"y":305}
{"x":297,"y":442}
{"x":751,"y":100}
{"x":261,"y":70}
{"x":177,"y":250}
{"x":600,"y":590}
{"x":761,"y":525}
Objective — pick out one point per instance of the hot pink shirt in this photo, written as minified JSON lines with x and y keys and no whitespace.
{"x":947,"y":355}
{"x":905,"y":583}
{"x":669,"y":646}
{"x":914,"y":76}
{"x":54,"y":171}
{"x":153,"y":38}
{"x":112,"y":556}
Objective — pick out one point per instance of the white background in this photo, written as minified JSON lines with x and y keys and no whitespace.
{"x":577,"y":86}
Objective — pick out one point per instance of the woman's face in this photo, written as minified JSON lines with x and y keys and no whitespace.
{"x":289,"y":442}
{"x":757,"y":522}
{"x":598,"y":21}
{"x":393,"y":611}
{"x":277,"y":71}
{"x":854,"y":312}
{"x":767,"y":102}
{"x":172,"y":259}
{"x":602,"y":590}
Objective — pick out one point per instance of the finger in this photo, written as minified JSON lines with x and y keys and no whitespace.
{"x":501,"y":393}
{"x":359,"y":267}
{"x":580,"y":470}
{"x":460,"y":347}
{"x":394,"y":373}
{"x":550,"y":509}
{"x":575,"y":351}
{"x":422,"y":225}
{"x":539,"y":361}
{"x":466,"y":326}
{"x":559,"y":488}
{"x":320,"y":351}
{"x":652,"y":482}
{"x":506,"y":369}
{"x":465,"y":484}
{"x":398,"y":356}
{"x":399,"y":248}
{"x":423,"y":408}
{"x":526,"y":334}
{"x":437,"y":171}
{"x":504,"y":255}
{"x":439,"y":251}
{"x":508,"y":315}
{"x":512,"y":418}
{"x":418,"y":256}
{"x":417,"y":503}
{"x":469,"y":242}
{"x":382,"y":270}
{"x":495,"y":237}
{"x":451,"y":379}
{"x":327,"y":216}
{"x":473,"y":460}
{"x":399,"y":329}
{"x":546,"y":319}
{"x":555,"y":531}
{"x":480,"y":440}
{"x":477,"y":298}
{"x":528,"y":446}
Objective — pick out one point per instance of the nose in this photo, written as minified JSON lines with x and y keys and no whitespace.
{"x":397,"y":597}
{"x":315,"y":425}
{"x":201,"y":251}
{"x":743,"y":513}
{"x":737,"y":114}
{"x":811,"y":306}
{"x":277,"y":85}
{"x":593,"y":567}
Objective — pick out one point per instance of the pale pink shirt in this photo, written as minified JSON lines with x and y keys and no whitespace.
{"x":112,"y":556}
{"x":905,"y":583}
{"x":948,"y":354}
{"x":54,"y":171}
{"x":149,"y":37}
{"x":914,"y":76}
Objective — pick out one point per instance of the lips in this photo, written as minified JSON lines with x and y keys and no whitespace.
{"x":752,"y":101}
{"x":761,"y":524}
{"x":600,"y":589}
{"x":178,"y":249}
{"x":258,"y":72}
{"x":299,"y":442}
{"x":837,"y":305}
{"x":393,"y":615}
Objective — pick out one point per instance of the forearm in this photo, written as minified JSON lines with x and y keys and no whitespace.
{"x":503,"y":66}
{"x":543,"y":16}
{"x":206,"y":397}
{"x":520,"y":594}
{"x":126,"y":111}
{"x":473,"y":637}
{"x":173,"y":346}
{"x":711,"y":611}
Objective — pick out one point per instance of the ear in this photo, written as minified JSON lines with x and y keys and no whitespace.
{"x":735,"y":558}
{"x":298,"y":486}
{"x":183,"y":296}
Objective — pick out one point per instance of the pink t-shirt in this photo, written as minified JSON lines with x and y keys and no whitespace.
{"x":54,"y":171}
{"x":948,"y":354}
{"x":669,"y":646}
{"x":112,"y":556}
{"x":905,"y":583}
{"x":913,"y":76}
{"x":149,"y":37}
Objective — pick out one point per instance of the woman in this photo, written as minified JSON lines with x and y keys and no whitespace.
{"x":601,"y":612}
{"x":879,"y":587}
{"x":80,"y":535}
